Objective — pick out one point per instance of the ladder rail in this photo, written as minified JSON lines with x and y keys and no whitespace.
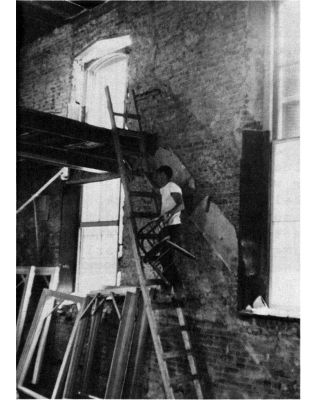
{"x":132,"y":232}
{"x":138,"y":247}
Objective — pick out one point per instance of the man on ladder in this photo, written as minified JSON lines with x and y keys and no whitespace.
{"x":171,"y":207}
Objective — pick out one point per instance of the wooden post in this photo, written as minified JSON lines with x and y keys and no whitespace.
{"x":93,"y":332}
{"x":119,"y":363}
{"x":66,"y":360}
{"x":54,"y":280}
{"x":75,"y":356}
{"x":24,"y":305}
{"x":137,"y":351}
{"x":31,"y":340}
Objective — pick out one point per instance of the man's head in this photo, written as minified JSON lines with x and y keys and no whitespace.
{"x":164,"y":175}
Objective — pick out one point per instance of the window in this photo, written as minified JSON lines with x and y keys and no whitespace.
{"x":102,"y":64}
{"x":285,"y":194}
{"x":287,"y":72}
{"x":100,"y":235}
{"x":269,"y":248}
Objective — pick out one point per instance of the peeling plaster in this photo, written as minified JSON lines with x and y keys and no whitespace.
{"x":181,"y":175}
{"x":217,"y":230}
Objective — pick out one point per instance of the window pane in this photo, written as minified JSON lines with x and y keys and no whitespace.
{"x":97,"y":258}
{"x":100,"y":201}
{"x":289,"y":29}
{"x":290,"y":80}
{"x":285,"y":277}
{"x":289,"y":69}
{"x":291,"y":120}
{"x":285,"y":229}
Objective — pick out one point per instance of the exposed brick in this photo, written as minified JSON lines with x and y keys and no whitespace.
{"x":200,"y":66}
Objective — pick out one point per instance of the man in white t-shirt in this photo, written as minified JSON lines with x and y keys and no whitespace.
{"x":171,"y":207}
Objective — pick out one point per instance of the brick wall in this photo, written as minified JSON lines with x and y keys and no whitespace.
{"x":199,"y":70}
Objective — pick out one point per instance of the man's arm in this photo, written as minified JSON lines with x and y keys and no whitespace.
{"x":177,"y":197}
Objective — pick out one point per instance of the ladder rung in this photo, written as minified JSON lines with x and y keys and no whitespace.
{"x":147,"y":236}
{"x":176,"y":354}
{"x":127,"y":115}
{"x":185,"y":378}
{"x":139,"y":193}
{"x":165,"y":305}
{"x":149,"y":215}
{"x":150,"y":282}
{"x":165,"y":329}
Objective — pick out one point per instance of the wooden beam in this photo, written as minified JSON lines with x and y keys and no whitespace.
{"x":67,"y":157}
{"x":57,"y":163}
{"x":95,"y":178}
{"x":32,"y":120}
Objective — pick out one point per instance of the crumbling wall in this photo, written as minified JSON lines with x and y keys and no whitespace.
{"x":198,"y":70}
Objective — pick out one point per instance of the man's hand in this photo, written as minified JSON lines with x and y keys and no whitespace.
{"x":166,"y":216}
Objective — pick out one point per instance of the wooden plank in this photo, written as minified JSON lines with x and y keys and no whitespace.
{"x":49,"y":124}
{"x":76,"y":160}
{"x":31,"y":393}
{"x":137,"y":353}
{"x":116,"y":306}
{"x":127,"y":116}
{"x":24,"y":305}
{"x":95,"y":178}
{"x":119,"y":363}
{"x":53,"y":284}
{"x":119,"y":290}
{"x":31,"y":340}
{"x":65,"y":296}
{"x":66,"y":359}
{"x":75,"y":356}
{"x":99,"y":223}
{"x":93,"y":332}
{"x":48,"y":271}
{"x":59,"y":162}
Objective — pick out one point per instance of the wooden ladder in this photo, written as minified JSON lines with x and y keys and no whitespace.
{"x":162,"y":356}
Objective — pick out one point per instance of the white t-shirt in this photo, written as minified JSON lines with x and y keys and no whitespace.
{"x":167,"y":201}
